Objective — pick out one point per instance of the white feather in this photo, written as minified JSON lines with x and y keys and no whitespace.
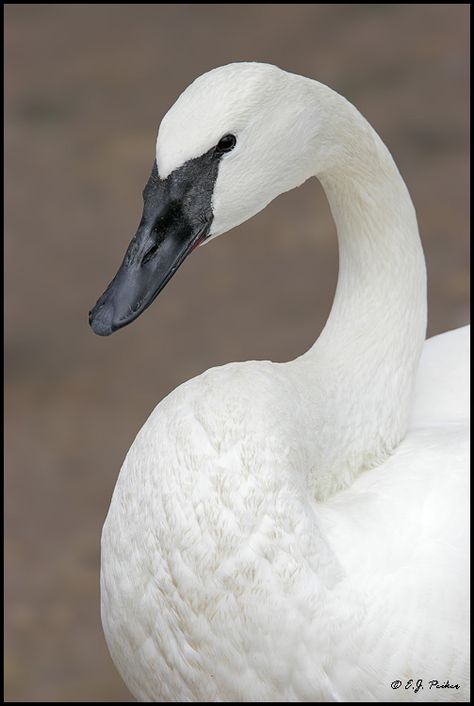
{"x":297,"y":532}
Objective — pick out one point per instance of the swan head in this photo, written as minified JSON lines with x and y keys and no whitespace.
{"x":236,"y":138}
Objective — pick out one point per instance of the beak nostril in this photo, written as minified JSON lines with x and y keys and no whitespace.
{"x":149,"y":254}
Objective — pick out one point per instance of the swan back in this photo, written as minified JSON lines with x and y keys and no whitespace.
{"x":442,"y":391}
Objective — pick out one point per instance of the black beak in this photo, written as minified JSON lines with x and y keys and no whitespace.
{"x":177,"y":216}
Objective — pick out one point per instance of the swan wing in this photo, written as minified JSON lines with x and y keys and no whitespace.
{"x":442,"y":384}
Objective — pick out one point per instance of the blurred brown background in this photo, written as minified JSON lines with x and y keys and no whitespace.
{"x":86,"y":87}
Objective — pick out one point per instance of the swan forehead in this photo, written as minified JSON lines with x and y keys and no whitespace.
{"x":215,"y":104}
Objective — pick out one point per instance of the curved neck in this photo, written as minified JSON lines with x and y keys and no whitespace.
{"x":360,"y":372}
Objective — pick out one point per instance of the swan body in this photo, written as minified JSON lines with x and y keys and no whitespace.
{"x":296,"y":531}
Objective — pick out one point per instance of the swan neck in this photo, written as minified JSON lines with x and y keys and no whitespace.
{"x":362,"y":368}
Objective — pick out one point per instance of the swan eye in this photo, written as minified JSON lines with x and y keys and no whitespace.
{"x":226,"y":143}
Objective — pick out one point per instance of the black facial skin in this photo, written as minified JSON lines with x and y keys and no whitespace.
{"x":177,"y":217}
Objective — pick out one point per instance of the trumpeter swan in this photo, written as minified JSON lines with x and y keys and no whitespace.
{"x":297,"y":531}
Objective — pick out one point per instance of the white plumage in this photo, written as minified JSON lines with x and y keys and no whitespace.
{"x":298,"y":531}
